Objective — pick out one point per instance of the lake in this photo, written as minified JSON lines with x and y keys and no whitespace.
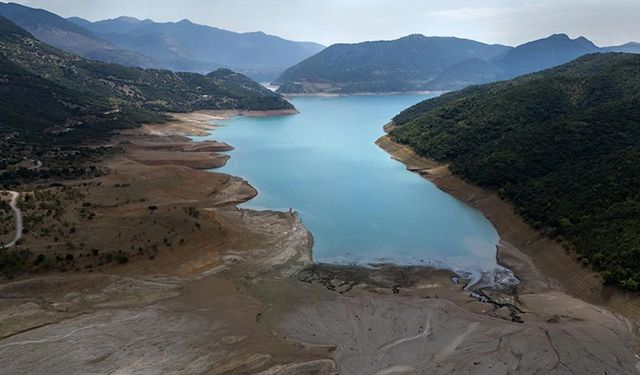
{"x":361,"y":206}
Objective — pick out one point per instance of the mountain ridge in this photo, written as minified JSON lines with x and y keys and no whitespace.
{"x":407,"y":63}
{"x":178,"y":46}
{"x":195,"y":46}
{"x":56,"y":31}
{"x":98,"y":90}
{"x":319,"y":73}
{"x":60,"y":107}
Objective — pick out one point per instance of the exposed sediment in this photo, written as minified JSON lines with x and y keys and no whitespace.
{"x":242,"y":297}
{"x":541,"y":263}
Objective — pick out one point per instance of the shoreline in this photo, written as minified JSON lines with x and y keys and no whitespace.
{"x":188,"y":124}
{"x":366,"y":93}
{"x":535,"y":260}
{"x":244,"y":296}
{"x":474,"y":280}
{"x":540,"y":263}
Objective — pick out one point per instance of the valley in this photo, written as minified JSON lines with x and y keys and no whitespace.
{"x":240,"y":294}
{"x":161,"y":212}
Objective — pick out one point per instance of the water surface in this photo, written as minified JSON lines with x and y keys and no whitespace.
{"x":361,"y":206}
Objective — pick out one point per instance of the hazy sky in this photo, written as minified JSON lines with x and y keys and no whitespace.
{"x":510,"y":22}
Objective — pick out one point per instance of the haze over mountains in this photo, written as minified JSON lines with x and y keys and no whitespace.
{"x":45,"y":91}
{"x":411,"y":63}
{"x":58,"y":32}
{"x":430,"y":63}
{"x":187,"y":46}
{"x":180,"y":46}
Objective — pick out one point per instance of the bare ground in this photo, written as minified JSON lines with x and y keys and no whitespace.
{"x":241,"y":296}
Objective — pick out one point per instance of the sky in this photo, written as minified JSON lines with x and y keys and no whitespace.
{"x":510,"y":22}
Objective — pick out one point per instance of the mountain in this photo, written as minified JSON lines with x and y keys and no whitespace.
{"x":60,"y":33}
{"x":408,"y":63}
{"x":562,"y":145}
{"x":466,"y":73}
{"x":56,"y":107}
{"x":543,"y":53}
{"x":179,"y":46}
{"x":45,"y":91}
{"x":428,"y":63}
{"x":188,"y":46}
{"x":631,"y":47}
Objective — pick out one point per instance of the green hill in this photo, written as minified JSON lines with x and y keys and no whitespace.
{"x":51,"y":100}
{"x":417,"y":62}
{"x":406,"y":64}
{"x":92,"y":88}
{"x":562,"y":145}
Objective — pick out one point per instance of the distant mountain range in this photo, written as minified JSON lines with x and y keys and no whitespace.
{"x":408,"y":63}
{"x":542,"y":54}
{"x":187,"y":46}
{"x":417,"y":63}
{"x":412,"y":63}
{"x":180,"y":46}
{"x":58,"y":32}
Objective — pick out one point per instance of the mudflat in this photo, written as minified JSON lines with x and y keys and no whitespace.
{"x":212,"y":289}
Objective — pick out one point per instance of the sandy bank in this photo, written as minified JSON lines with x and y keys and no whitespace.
{"x":239,"y":295}
{"x":180,"y":304}
{"x":200,"y":123}
{"x":541,"y":263}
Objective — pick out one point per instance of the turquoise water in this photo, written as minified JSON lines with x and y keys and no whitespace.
{"x":361,"y":206}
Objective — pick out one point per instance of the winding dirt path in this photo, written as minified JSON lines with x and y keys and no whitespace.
{"x":18,"y":214}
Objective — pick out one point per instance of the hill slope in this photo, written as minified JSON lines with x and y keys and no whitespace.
{"x":51,"y":101}
{"x":631,"y":47}
{"x":421,"y":63}
{"x":562,"y":145}
{"x":543,"y":53}
{"x":408,"y":63}
{"x":188,"y":46}
{"x":60,"y":33}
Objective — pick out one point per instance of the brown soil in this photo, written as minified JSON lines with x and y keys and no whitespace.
{"x":239,"y":294}
{"x":540,"y":262}
{"x":200,"y":123}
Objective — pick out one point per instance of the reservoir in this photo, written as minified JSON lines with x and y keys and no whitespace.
{"x":361,"y":206}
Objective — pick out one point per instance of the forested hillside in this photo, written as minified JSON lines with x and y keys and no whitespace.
{"x":406,"y":64}
{"x":562,"y":145}
{"x":416,"y":62}
{"x":50,"y":100}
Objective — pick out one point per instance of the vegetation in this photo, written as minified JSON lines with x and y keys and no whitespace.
{"x":55,"y":107}
{"x":427,"y":63}
{"x":408,"y":63}
{"x":57,"y":112}
{"x":12,"y":263}
{"x":185,"y":46}
{"x":72,"y":227}
{"x":562,"y":145}
{"x":56,"y":31}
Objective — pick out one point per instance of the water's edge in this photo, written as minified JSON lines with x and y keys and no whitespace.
{"x":500,"y":278}
{"x":474,"y":279}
